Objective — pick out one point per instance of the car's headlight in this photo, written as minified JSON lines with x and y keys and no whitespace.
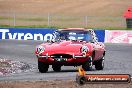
{"x":84,"y":49}
{"x":40,"y":49}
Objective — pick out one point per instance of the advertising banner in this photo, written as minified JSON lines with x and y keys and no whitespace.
{"x":36,"y":34}
{"x":100,"y":35}
{"x":118,"y":36}
{"x":26,"y":33}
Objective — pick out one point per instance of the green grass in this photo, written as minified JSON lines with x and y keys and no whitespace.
{"x":6,"y":18}
{"x":32,"y":19}
{"x":117,"y":28}
{"x":40,"y":18}
{"x":45,"y":26}
{"x":24,"y":19}
{"x":30,"y":26}
{"x":112,"y":28}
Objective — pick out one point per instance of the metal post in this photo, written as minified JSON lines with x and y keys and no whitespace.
{"x":14,"y":19}
{"x":48,"y":19}
{"x":86,"y":21}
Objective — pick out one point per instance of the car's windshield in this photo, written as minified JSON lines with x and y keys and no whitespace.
{"x":75,"y":35}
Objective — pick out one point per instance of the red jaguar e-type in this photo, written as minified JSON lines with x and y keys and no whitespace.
{"x":71,"y":47}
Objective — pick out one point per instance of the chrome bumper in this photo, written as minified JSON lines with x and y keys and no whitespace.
{"x":73,"y":56}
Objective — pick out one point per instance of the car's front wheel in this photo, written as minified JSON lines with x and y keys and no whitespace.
{"x":56,"y":68}
{"x":87,"y":66}
{"x":43,"y":68}
{"x":99,"y":65}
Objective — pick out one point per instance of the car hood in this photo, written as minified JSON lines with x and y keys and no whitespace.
{"x":64,"y":47}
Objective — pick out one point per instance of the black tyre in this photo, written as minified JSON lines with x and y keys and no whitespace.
{"x":99,"y":65}
{"x":87,"y":66}
{"x":43,"y":68}
{"x":81,"y":80}
{"x":56,"y":68}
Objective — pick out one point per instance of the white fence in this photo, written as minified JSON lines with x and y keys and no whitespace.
{"x":14,"y":19}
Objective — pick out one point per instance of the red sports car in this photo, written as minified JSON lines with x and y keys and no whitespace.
{"x":71,"y":47}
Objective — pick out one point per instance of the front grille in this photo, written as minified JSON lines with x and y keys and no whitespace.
{"x":62,"y":56}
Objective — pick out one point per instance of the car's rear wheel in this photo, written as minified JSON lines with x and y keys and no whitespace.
{"x":43,"y":68}
{"x":87,"y":66}
{"x":56,"y":68}
{"x":99,"y":65}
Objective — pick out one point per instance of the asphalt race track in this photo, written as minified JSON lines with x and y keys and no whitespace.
{"x":118,"y":60}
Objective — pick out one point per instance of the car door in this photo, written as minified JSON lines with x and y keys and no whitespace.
{"x":99,"y":50}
